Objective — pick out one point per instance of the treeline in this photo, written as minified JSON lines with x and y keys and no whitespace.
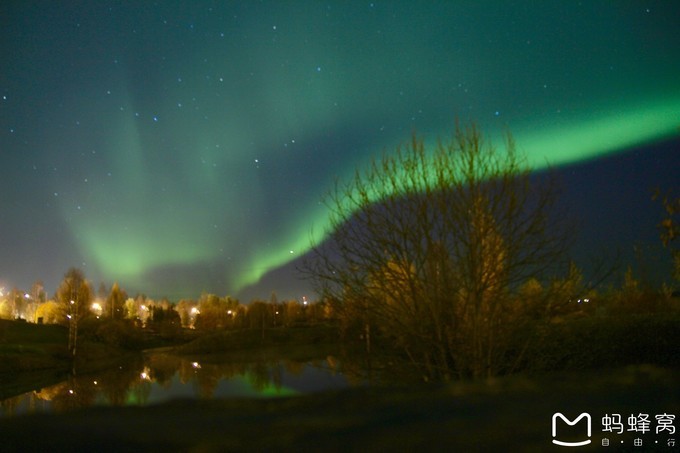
{"x":76,"y":300}
{"x":571,"y":298}
{"x":211,"y":312}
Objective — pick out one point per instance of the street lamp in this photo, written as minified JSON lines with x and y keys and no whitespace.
{"x":97,"y":309}
{"x":194,"y":311}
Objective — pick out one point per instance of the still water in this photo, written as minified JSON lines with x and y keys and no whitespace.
{"x":157,"y":378}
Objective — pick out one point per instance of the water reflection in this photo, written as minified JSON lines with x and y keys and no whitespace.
{"x":161,"y":377}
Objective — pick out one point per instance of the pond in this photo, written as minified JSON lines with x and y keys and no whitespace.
{"x":161,"y":377}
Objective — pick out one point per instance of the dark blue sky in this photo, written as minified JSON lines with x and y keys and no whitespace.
{"x":180,"y":147}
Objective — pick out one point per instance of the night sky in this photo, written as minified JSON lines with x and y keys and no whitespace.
{"x":184,"y":146}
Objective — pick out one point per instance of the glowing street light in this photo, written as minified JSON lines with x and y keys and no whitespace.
{"x":194,"y":311}
{"x":145,"y":375}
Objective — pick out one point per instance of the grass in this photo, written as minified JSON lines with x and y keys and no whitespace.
{"x":23,"y":332}
{"x":31,"y":356}
{"x":275,"y":339}
{"x":606,"y":342}
{"x":25,"y":347}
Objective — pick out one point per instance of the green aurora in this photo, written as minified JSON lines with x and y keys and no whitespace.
{"x":187,"y":147}
{"x":149,"y":242}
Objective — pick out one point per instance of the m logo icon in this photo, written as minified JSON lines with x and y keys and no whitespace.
{"x":557,"y":415}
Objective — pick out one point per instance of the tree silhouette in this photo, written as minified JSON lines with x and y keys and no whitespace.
{"x":74,"y":295}
{"x":115,"y":302}
{"x":669,"y":229}
{"x":430,"y":247}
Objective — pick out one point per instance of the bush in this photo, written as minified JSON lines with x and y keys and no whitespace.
{"x":615,"y":341}
{"x":118,"y":333}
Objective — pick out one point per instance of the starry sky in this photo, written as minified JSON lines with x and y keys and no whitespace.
{"x":185,"y":146}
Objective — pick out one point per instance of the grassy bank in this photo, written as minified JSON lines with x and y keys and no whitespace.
{"x":606,"y":342}
{"x":31,"y":355}
{"x":281,"y":342}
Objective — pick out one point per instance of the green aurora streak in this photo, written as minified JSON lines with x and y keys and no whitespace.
{"x":557,"y":145}
{"x":148,"y":241}
{"x":182,"y":139}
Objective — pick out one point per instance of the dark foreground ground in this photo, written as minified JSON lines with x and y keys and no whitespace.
{"x":512,"y":414}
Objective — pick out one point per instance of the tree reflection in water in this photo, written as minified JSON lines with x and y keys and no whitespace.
{"x":161,"y":377}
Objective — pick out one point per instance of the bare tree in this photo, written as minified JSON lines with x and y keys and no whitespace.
{"x":430,"y":248}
